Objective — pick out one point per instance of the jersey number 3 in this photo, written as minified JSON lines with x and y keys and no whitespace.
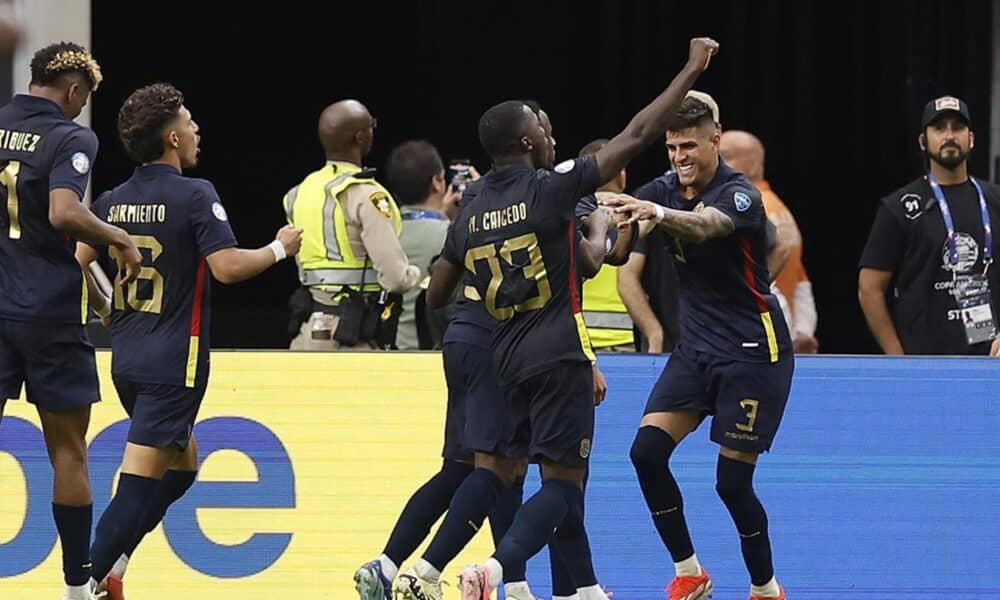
{"x":154,"y":303}
{"x":8,"y":179}
{"x":533,"y":271}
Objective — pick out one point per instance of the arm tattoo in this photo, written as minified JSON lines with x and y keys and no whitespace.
{"x":698,"y":225}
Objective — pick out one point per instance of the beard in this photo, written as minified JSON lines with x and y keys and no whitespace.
{"x":950,"y":161}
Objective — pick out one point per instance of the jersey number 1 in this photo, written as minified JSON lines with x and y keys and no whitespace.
{"x":8,"y":179}
{"x":534,"y":271}
{"x":154,"y":303}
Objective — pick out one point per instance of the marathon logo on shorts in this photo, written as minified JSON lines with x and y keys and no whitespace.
{"x":947,"y":103}
{"x":585,"y":448}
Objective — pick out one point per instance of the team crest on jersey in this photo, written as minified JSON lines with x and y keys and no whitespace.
{"x":912,"y":206}
{"x":380,"y":200}
{"x":80,"y":162}
{"x":219,"y":212}
{"x":565,"y":167}
{"x":742,"y":201}
{"x":585,"y":448}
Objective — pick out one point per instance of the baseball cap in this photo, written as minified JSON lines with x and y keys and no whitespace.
{"x":945,"y":104}
{"x":707,"y":99}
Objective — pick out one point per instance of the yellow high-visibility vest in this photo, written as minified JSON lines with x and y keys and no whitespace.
{"x":604,"y":313}
{"x":326,"y":260}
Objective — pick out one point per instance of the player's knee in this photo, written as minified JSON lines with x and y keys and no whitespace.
{"x":734,"y":481}
{"x":651,"y":449}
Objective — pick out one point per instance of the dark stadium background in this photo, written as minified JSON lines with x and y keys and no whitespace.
{"x":834,"y":89}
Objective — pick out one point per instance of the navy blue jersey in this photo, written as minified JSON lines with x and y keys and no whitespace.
{"x":160,"y":322}
{"x":726,"y":308}
{"x":471,"y":323}
{"x":518,"y":241}
{"x":41,"y":149}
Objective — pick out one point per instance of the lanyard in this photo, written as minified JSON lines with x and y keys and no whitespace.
{"x":950,"y":224}
{"x":419,"y":215}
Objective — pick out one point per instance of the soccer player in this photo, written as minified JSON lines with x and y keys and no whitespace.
{"x":517,"y":237}
{"x":45,"y":161}
{"x":735,"y":357}
{"x":160,"y":322}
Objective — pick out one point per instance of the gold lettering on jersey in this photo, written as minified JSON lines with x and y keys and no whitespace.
{"x":472,"y":224}
{"x":137,"y":213}
{"x":18,"y":141}
{"x":496,"y":219}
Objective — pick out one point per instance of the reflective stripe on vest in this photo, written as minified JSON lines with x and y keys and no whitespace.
{"x":326,"y":260}
{"x":604,"y":313}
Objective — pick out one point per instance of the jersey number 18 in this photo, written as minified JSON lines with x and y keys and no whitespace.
{"x":154,"y":303}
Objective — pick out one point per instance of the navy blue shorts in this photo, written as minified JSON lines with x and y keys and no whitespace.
{"x":162,"y":415}
{"x":747,"y":399}
{"x":54,"y":362}
{"x":477,"y":413}
{"x":551,"y":415}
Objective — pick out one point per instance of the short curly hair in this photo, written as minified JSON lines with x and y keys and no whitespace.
{"x":56,"y":60}
{"x":142,"y":118}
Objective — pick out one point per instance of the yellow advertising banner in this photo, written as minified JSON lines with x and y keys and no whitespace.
{"x":307,"y":460}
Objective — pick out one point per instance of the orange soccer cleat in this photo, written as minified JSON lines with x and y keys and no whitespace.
{"x":690,"y":588}
{"x":782,"y":596}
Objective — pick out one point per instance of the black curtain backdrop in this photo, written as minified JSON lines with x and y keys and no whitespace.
{"x":834,"y":89}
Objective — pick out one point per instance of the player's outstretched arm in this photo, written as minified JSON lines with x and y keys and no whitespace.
{"x":650,"y":123}
{"x":69,"y":216}
{"x":593,"y":249}
{"x":699,"y":225}
{"x":232,"y":265}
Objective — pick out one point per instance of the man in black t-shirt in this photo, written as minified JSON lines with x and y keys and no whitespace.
{"x":931,"y":243}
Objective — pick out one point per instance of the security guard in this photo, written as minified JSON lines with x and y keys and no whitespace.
{"x":608,"y":322}
{"x":351,"y":265}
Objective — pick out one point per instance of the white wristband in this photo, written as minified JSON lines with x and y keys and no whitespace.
{"x":661,"y":213}
{"x":278,"y":249}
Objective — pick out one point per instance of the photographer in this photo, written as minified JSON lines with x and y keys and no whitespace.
{"x":416,"y":178}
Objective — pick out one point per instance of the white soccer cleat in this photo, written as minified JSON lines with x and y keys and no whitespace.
{"x":409,"y":586}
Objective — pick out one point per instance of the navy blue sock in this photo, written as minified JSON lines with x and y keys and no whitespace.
{"x":563,"y":583}
{"x":650,"y":455}
{"x":73,"y":524}
{"x":573,"y":549}
{"x":424,"y":508}
{"x":734,"y":482}
{"x":472,"y":501}
{"x":120,"y":521}
{"x":535,"y":522}
{"x":501,"y":518}
{"x":173,"y":485}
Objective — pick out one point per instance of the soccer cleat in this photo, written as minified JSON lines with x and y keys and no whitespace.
{"x":114,"y":588}
{"x":473,"y":583}
{"x":409,"y":586}
{"x":782,"y":596}
{"x":370,"y":582}
{"x":521,"y":594}
{"x":690,"y":588}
